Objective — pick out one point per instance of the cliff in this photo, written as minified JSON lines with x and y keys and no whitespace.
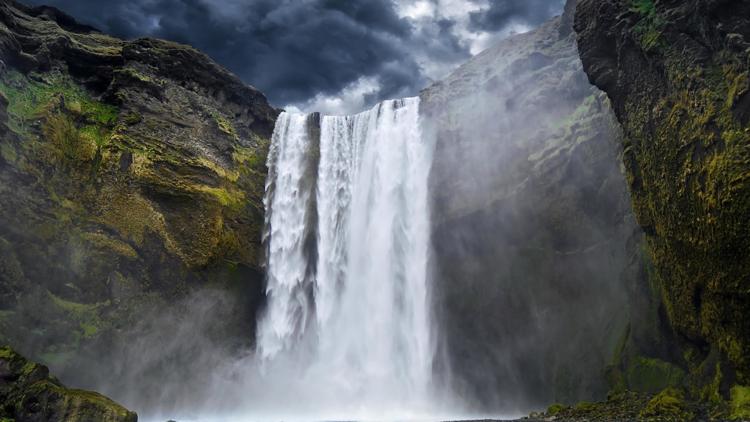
{"x":131,"y":175}
{"x":537,"y":255}
{"x":678,"y":76}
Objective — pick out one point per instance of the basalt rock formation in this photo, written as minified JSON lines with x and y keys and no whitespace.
{"x":131,"y":175}
{"x":678,"y":76}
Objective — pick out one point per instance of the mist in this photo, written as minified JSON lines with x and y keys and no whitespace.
{"x":479,"y":266}
{"x":533,"y":234}
{"x":532,"y":250}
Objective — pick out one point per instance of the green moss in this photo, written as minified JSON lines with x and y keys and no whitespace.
{"x":8,"y":151}
{"x":740,"y":403}
{"x":252,"y":161}
{"x":711,"y":392}
{"x":132,"y":216}
{"x":132,"y":118}
{"x":653,"y":375}
{"x":234,"y":199}
{"x":687,"y":157}
{"x":73,"y":125}
{"x":6,"y":353}
{"x":97,"y":135}
{"x":78,"y":405}
{"x":30,"y":99}
{"x":225,"y":125}
{"x":61,"y":131}
{"x":650,"y":26}
{"x":86,"y":315}
{"x":643,"y":7}
{"x":584,"y":406}
{"x":555,"y":409}
{"x":110,"y":244}
{"x":28,"y":368}
{"x":668,"y":405}
{"x":136,"y":75}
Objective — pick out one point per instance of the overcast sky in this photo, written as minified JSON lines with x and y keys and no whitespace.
{"x":335,"y":56}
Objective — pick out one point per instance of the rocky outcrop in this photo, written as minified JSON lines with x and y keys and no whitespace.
{"x":678,"y":76}
{"x":536,"y":250}
{"x":131,"y":176}
{"x":29,"y":393}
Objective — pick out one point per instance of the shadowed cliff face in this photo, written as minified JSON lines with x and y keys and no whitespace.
{"x":536,"y":252}
{"x":131,"y":177}
{"x":677,"y":73}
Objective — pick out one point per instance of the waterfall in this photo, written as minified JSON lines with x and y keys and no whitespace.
{"x":351,"y":313}
{"x":287,"y":203}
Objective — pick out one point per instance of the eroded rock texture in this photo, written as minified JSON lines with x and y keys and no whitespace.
{"x":131,"y":178}
{"x":677,"y":73}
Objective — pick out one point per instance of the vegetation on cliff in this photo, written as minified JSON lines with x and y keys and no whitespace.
{"x":132,"y":174}
{"x":678,"y":75}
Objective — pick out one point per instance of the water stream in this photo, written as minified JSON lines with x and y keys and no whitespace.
{"x":348,"y":248}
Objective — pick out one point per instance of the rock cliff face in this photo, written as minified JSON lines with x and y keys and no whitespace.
{"x":678,"y":76}
{"x":537,"y":255}
{"x":29,"y":393}
{"x":131,"y":177}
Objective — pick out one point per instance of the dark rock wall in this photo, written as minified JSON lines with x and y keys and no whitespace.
{"x":536,"y":249}
{"x":29,"y":393}
{"x":131,"y":183}
{"x":678,"y":76}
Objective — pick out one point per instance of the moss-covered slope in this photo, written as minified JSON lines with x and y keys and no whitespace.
{"x":131,"y":174}
{"x":678,"y":76}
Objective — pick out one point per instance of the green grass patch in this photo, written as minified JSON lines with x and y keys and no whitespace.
{"x":33,"y":98}
{"x":649,"y":28}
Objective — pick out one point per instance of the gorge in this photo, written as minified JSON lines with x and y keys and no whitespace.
{"x":560,"y":223}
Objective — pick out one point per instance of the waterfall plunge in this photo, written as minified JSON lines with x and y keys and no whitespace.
{"x":348,"y":315}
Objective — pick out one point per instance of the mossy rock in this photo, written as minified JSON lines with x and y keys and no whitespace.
{"x":668,"y":405}
{"x":653,"y":375}
{"x":555,"y":408}
{"x":28,"y":392}
{"x":739,"y":403}
{"x":621,"y":406}
{"x":132,"y":175}
{"x":678,"y":76}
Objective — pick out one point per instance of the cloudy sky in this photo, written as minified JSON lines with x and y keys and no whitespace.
{"x":335,"y":56}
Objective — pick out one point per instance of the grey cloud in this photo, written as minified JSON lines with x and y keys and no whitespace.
{"x":502,"y":13}
{"x":295,"y":50}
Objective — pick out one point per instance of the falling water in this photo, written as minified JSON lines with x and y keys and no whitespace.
{"x":352,"y":312}
{"x":287,"y":203}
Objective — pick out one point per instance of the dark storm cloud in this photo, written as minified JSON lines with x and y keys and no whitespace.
{"x":502,"y":13}
{"x":295,"y":50}
{"x":291,"y":50}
